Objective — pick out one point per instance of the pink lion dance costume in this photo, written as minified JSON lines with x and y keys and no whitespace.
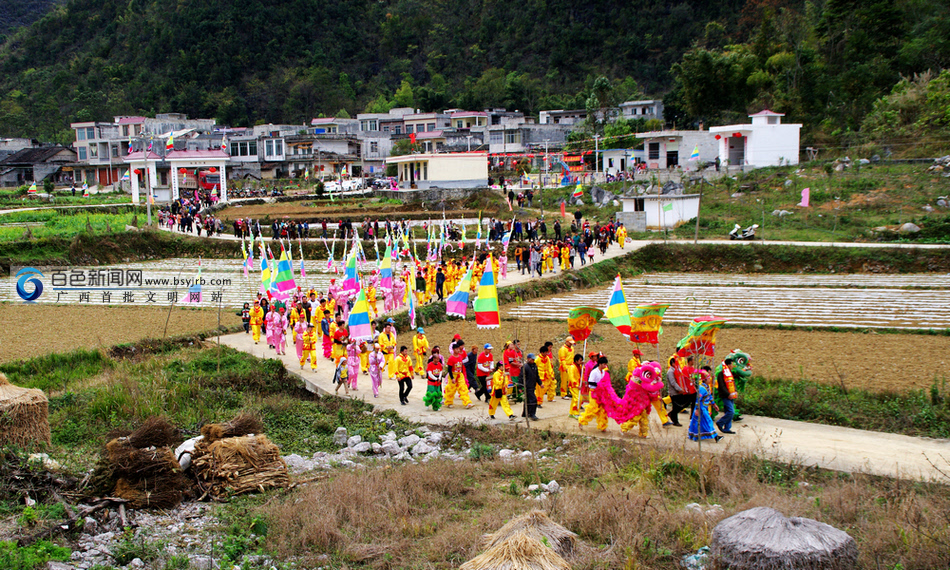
{"x":634,"y":407}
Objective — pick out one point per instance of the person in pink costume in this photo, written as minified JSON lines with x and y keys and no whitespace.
{"x":280,"y":330}
{"x":271,"y":321}
{"x":376,"y":363}
{"x":333,"y":289}
{"x":400,"y":292}
{"x":388,"y":301}
{"x":352,"y":362}
{"x":300,"y":328}
{"x":342,"y":302}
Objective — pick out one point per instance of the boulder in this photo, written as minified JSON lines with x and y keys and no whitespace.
{"x":354,"y":440}
{"x":763,"y":538}
{"x":391,"y":448}
{"x":909,"y":228}
{"x":409,"y":440}
{"x":362,"y":447}
{"x":422,"y":448}
{"x":339,"y":436}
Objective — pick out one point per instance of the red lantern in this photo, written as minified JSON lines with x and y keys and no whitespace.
{"x":137,"y":171}
{"x":212,"y":169}
{"x":737,"y":135}
{"x":718,"y":137}
{"x":182,"y":170}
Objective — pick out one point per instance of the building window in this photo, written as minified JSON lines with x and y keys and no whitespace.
{"x":235,"y":146}
{"x":115,"y":152}
{"x":496,"y":137}
{"x":252,"y":148}
{"x":374,"y":147}
{"x":409,"y":129}
{"x":425,"y":170}
{"x":513,"y":137}
{"x":654,"y":152}
{"x":93,"y":152}
{"x":82,"y":153}
{"x":458,"y":124}
{"x":269,"y":148}
{"x":125,"y":130}
{"x":279,"y":148}
{"x":369,"y":125}
{"x":163,"y":176}
{"x":430,"y":127}
{"x":90,"y":133}
{"x":397,"y":130}
{"x":80,"y":134}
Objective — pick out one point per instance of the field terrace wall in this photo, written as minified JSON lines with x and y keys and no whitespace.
{"x":430,"y":194}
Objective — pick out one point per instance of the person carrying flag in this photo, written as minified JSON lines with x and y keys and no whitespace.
{"x":420,"y":346}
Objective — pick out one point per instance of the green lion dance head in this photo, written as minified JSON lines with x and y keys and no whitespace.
{"x":741,"y":368}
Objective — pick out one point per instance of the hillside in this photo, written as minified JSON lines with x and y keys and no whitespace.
{"x":290,"y":60}
{"x":13,"y":15}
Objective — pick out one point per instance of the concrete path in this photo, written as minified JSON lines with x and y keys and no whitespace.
{"x":829,"y":447}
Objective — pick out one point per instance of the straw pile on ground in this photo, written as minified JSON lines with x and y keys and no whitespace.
{"x":24,"y":415}
{"x":528,"y":542}
{"x":144,"y":467}
{"x":764,"y":539}
{"x":245,"y":462}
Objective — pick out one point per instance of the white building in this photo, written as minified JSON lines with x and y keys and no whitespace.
{"x":766,"y":142}
{"x":652,"y":212}
{"x":448,"y":170}
{"x":669,"y":149}
{"x":644,"y":109}
{"x":617,"y":160}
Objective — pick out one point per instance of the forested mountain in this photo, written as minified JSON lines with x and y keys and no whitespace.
{"x":17,"y":13}
{"x":289,"y":60}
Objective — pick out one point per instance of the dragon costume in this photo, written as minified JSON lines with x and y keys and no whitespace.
{"x":741,"y":372}
{"x":635,"y":403}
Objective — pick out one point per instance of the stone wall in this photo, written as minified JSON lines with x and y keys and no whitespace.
{"x":429,"y":194}
{"x":633,"y":221}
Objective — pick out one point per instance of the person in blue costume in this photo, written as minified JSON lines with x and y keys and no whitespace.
{"x":701,"y":424}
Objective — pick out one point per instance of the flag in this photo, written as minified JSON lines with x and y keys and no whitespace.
{"x":285,"y":276}
{"x":265,"y":269}
{"x":412,"y":310}
{"x":645,"y":323}
{"x":130,"y":146}
{"x":486,"y":303}
{"x":170,"y":145}
{"x":504,"y":241}
{"x":32,"y":189}
{"x":386,"y":269}
{"x":150,"y":145}
{"x":617,"y":310}
{"x":244,"y":254}
{"x":350,"y":278}
{"x":806,"y":196}
{"x":563,"y":210}
{"x":695,"y":155}
{"x":668,"y":207}
{"x":358,"y":323}
{"x":457,"y":303}
{"x":412,"y":138}
{"x":581,"y":320}
{"x":578,"y":191}
{"x":700,"y":338}
{"x":194,"y":290}
{"x":85,"y":190}
{"x":478,"y":234}
{"x":303,"y":272}
{"x":126,"y":176}
{"x":224,"y":143}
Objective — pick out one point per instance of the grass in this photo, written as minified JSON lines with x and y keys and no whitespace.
{"x":914,"y":413}
{"x":13,"y":198}
{"x":624,"y":500}
{"x":13,"y":557}
{"x":63,"y":224}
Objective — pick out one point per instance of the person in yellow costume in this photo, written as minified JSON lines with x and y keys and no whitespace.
{"x":546,"y":374}
{"x":565,"y":357}
{"x":574,"y":385}
{"x":310,"y":343}
{"x":565,"y":253}
{"x":545,"y":257}
{"x":387,"y":344}
{"x":339,"y":338}
{"x":430,"y":282}
{"x":549,"y":260}
{"x":499,"y":388}
{"x":420,"y":346}
{"x":456,"y":381}
{"x":371,"y":299}
{"x":621,"y":235}
{"x":594,"y":409}
{"x":495,"y":267}
{"x":632,"y":365}
{"x":364,"y":357}
{"x":257,"y":319}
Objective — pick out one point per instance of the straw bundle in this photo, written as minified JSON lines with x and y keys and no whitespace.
{"x":519,"y":551}
{"x":24,"y":415}
{"x":127,"y":461}
{"x":764,"y":539}
{"x":155,"y":432}
{"x":538,"y":526}
{"x":165,"y":491}
{"x":243,"y":424}
{"x":237,"y":465}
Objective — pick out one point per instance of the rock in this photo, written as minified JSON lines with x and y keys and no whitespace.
{"x":788,"y":183}
{"x":136,"y":563}
{"x":402,"y":456}
{"x":377,"y":448}
{"x":737,"y":195}
{"x":409,"y":441}
{"x":839,"y":168}
{"x":909,"y":228}
{"x":339,"y":436}
{"x":391,"y":436}
{"x":131,"y":229}
{"x":422,"y":448}
{"x":533,"y":488}
{"x":614,"y":203}
{"x":525,"y":454}
{"x":424,"y":430}
{"x":552,"y":487}
{"x":297,"y":464}
{"x":435,"y":437}
{"x":942,"y":202}
{"x":864,"y":161}
{"x":506,"y":453}
{"x":53,"y":565}
{"x":927,"y":208}
{"x":201,"y":562}
{"x":781,"y":213}
{"x":90,"y":525}
{"x":578,"y":202}
{"x":43,"y":460}
{"x":876,"y":158}
{"x":391,"y":448}
{"x":764,"y":538}
{"x":362,"y":447}
{"x":352,"y":441}
{"x":434,"y":454}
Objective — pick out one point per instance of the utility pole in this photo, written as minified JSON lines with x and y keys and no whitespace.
{"x":596,"y":157}
{"x":469,"y":137}
{"x":547,"y":159}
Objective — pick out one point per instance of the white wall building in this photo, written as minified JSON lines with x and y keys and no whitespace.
{"x":448,"y":170}
{"x":662,"y":212}
{"x":669,"y":149}
{"x":765,"y":142}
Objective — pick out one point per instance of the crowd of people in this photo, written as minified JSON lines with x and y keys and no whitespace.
{"x":315,"y":325}
{"x":188,"y":215}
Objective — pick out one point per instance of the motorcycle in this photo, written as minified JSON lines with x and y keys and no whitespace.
{"x":747,"y":233}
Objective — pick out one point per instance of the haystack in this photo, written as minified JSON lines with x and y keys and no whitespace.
{"x":243,"y":424}
{"x":24,"y":415}
{"x":142,"y":469}
{"x":538,"y":526}
{"x":237,"y":465}
{"x":155,"y":432}
{"x":518,"y":551}
{"x":764,"y":539}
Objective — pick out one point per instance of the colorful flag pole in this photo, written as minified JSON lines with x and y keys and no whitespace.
{"x":359,"y":322}
{"x":487,"y":315}
{"x":578,"y":191}
{"x":350,"y":277}
{"x":303,"y":272}
{"x":617,"y":312}
{"x":645,"y":323}
{"x":244,"y":255}
{"x":32,"y":189}
{"x":285,"y":276}
{"x":386,"y":270}
{"x":412,"y":309}
{"x":695,"y":155}
{"x":170,"y":145}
